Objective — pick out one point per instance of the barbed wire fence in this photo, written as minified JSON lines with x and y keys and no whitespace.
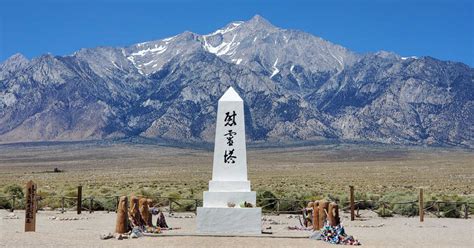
{"x":276,"y":206}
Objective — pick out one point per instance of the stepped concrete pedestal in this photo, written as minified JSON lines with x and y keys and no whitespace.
{"x":229,"y":185}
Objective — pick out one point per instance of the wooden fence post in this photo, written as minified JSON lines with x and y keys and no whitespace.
{"x":323,"y":208}
{"x":316,"y":216}
{"x":171,"y":205}
{"x":91,"y":204}
{"x":352,"y":202}
{"x":195,"y":206}
{"x":116,"y":203}
{"x":79,"y":199}
{"x":30,"y":207}
{"x":62,"y":205}
{"x":466,"y":210}
{"x":13,"y":204}
{"x":333,"y":214}
{"x":278,"y":206}
{"x":437,"y":209}
{"x":121,"y":225}
{"x":421,"y":208}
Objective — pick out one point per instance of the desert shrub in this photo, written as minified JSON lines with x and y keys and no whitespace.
{"x":295,"y":201}
{"x":144,"y":192}
{"x":10,"y":191}
{"x":290,"y":205}
{"x":14,"y":190}
{"x":5,"y":203}
{"x":384,"y":212}
{"x":451,"y":210}
{"x":399,"y":203}
{"x":97,"y":204}
{"x":266,"y":199}
{"x":341,"y":199}
{"x":365,"y":200}
{"x":450,"y":206}
{"x":183,"y":205}
{"x":48,"y":199}
{"x":108,"y":203}
{"x":71,"y":193}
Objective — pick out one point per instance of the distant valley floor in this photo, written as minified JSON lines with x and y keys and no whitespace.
{"x":110,"y":168}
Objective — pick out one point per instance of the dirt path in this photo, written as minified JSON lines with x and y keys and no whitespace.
{"x":372,"y":232}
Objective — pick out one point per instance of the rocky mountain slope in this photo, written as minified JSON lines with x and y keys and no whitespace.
{"x":296,"y":87}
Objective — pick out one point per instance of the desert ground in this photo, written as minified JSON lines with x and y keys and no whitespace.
{"x":308,"y":171}
{"x":371,"y":231}
{"x":112,"y":168}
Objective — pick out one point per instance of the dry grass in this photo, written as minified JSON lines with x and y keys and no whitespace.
{"x":318,"y":170}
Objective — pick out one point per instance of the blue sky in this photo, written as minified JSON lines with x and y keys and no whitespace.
{"x":439,"y":28}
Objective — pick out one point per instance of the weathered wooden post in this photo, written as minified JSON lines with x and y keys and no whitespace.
{"x":62,"y":205}
{"x":278,"y":206}
{"x":30,"y":207}
{"x":13,"y":204}
{"x":135,"y":212}
{"x":195,"y":206}
{"x":333,"y":214}
{"x":437,"y":209}
{"x":323,"y":208}
{"x":466,"y":210}
{"x":171,"y":205}
{"x":421,"y":208}
{"x":79,"y":199}
{"x":116,"y":203}
{"x":352,"y":202}
{"x":121,"y":225}
{"x":91,"y":204}
{"x":316,"y":225}
{"x":144,"y":210}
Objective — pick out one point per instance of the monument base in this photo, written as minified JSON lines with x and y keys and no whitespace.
{"x":229,"y":220}
{"x":221,"y":199}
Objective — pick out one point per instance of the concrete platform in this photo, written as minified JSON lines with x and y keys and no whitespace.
{"x":220,"y":199}
{"x":229,"y":220}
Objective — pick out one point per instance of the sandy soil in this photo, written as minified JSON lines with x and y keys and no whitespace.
{"x":372,"y":231}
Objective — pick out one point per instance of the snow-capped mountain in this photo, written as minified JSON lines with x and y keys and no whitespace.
{"x":296,"y":87}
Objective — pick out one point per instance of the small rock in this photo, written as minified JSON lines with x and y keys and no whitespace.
{"x":106,"y":236}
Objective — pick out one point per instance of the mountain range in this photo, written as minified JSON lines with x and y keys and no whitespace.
{"x":296,"y":87}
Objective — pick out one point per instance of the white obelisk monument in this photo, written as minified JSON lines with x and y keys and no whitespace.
{"x":223,"y":208}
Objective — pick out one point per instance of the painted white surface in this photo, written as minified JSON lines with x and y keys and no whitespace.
{"x":236,"y":171}
{"x":220,"y":199}
{"x":229,"y":220}
{"x":229,"y":186}
{"x":229,"y":179}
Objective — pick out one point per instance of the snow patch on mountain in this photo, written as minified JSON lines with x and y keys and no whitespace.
{"x":410,"y":57}
{"x":157,"y":50}
{"x":275,"y":69}
{"x":225,"y":48}
{"x":229,"y":28}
